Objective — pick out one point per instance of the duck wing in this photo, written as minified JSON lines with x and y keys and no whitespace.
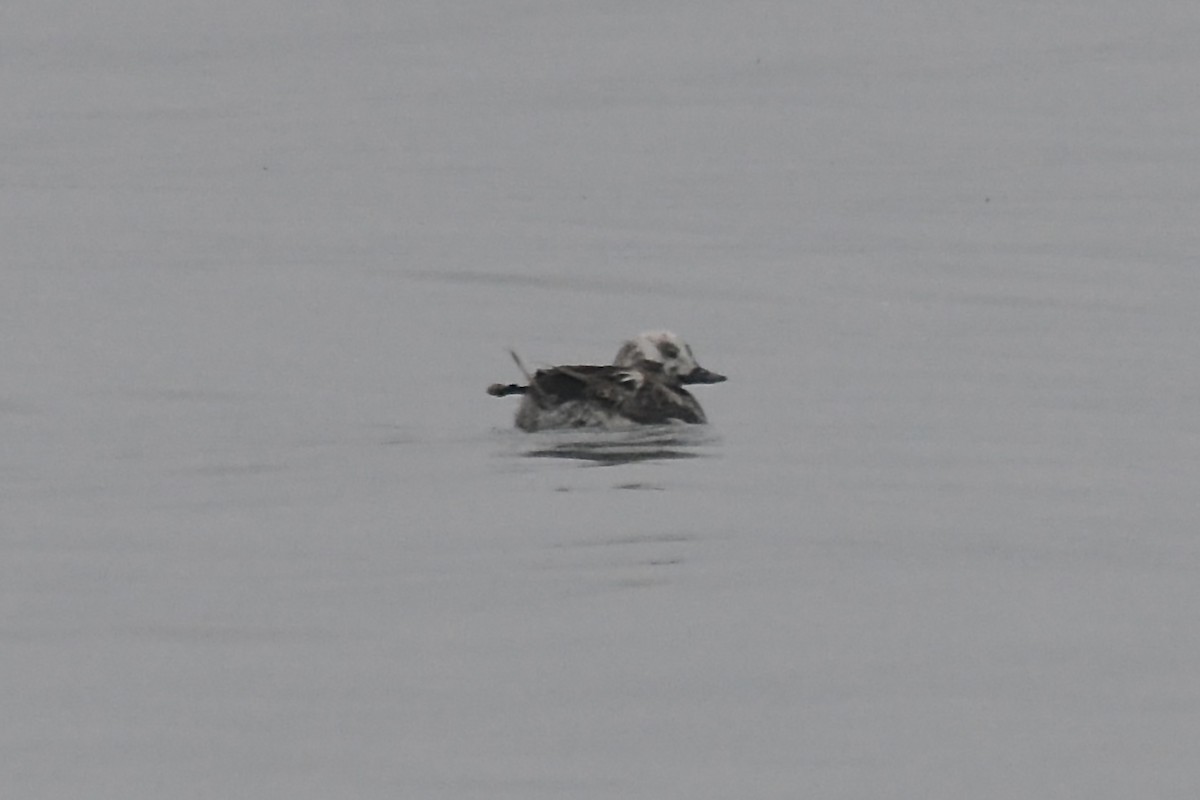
{"x":568,"y":382}
{"x":658,"y":402}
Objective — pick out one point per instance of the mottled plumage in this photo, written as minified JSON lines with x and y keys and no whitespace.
{"x":644,"y":385}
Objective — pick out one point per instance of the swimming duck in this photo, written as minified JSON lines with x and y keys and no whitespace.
{"x":644,"y":385}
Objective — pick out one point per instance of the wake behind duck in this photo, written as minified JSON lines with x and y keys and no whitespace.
{"x":643,"y":386}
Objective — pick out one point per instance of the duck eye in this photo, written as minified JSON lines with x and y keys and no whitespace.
{"x":668,"y":350}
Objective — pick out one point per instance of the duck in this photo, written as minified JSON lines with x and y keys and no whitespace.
{"x":644,"y":385}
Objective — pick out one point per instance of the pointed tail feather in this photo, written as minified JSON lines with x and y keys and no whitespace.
{"x":521,"y":366}
{"x":505,"y":389}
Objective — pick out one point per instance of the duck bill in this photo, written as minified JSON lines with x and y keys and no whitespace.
{"x":701,"y":375}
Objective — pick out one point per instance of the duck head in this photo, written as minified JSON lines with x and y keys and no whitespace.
{"x":664,"y":351}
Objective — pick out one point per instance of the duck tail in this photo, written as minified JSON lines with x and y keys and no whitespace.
{"x":505,"y":389}
{"x":521,"y":366}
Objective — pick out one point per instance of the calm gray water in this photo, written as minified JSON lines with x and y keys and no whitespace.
{"x":265,"y":536}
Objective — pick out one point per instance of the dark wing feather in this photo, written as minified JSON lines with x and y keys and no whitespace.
{"x":573,"y":382}
{"x":658,"y":402}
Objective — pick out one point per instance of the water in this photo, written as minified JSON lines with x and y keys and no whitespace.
{"x":265,"y":535}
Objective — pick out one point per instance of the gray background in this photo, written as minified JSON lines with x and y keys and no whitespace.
{"x":264,"y":535}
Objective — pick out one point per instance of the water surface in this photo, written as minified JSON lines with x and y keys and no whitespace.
{"x":265,"y":535}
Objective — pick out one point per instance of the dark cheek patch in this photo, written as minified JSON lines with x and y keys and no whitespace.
{"x":668,"y":350}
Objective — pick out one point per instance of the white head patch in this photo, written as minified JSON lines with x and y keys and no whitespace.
{"x":658,"y":347}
